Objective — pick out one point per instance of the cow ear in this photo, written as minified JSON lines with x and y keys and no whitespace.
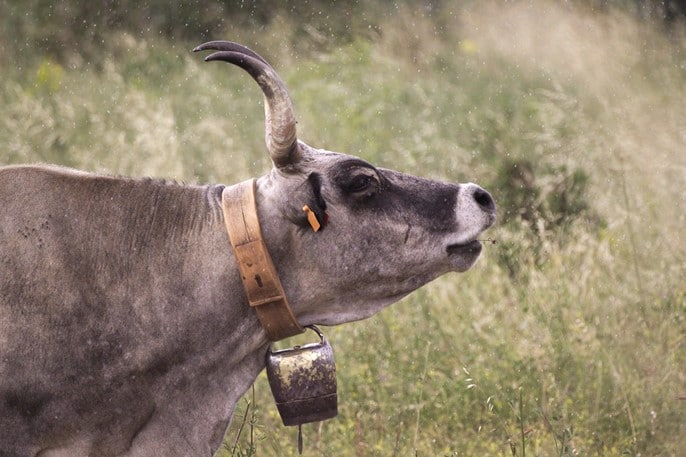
{"x":314,"y":209}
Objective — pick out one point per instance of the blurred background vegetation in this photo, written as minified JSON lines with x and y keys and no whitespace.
{"x":567,"y":338}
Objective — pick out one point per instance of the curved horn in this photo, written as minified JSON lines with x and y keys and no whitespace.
{"x":280,"y":134}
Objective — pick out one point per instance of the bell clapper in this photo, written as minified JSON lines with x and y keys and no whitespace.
{"x":300,"y":439}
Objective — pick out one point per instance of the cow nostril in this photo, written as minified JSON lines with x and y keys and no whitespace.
{"x":484,"y":199}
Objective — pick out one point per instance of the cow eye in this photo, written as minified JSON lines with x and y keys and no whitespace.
{"x":361,"y":183}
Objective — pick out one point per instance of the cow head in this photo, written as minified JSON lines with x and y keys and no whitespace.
{"x":383,"y":233}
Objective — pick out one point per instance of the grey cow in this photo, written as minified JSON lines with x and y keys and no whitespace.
{"x":124,"y":326}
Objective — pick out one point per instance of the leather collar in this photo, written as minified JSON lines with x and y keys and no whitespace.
{"x":259,"y":276}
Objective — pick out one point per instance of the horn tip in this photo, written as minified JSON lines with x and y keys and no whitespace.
{"x":219,"y":55}
{"x":211,"y":45}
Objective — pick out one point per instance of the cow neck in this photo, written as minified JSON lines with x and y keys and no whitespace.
{"x":258,"y":274}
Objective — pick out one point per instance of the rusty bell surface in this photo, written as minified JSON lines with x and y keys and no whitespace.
{"x":303,"y":382}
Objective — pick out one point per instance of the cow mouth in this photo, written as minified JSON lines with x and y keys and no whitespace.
{"x":469,"y":248}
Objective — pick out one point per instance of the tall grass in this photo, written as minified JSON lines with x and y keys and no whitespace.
{"x":568,"y":337}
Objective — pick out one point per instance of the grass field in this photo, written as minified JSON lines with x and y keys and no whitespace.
{"x":569,"y":335}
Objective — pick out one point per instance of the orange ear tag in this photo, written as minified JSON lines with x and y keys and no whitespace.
{"x":312,"y":218}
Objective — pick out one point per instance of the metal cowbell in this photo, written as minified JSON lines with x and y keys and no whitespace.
{"x":303,"y":381}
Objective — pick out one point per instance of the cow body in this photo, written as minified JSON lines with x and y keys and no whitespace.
{"x":119,"y":315}
{"x":124,"y":326}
